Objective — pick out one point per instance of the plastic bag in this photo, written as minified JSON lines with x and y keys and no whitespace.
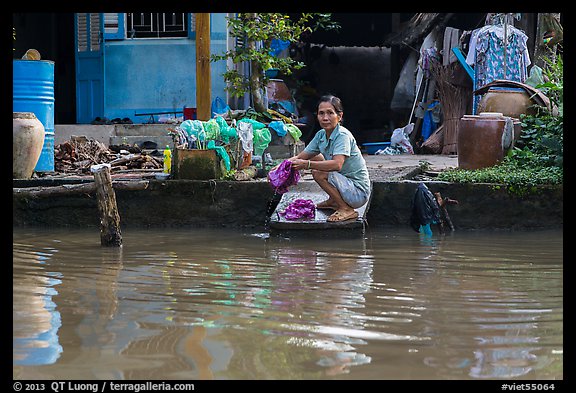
{"x":212,"y":129}
{"x":255,"y":123}
{"x":219,"y":107}
{"x":195,"y":131}
{"x":262,"y":138}
{"x":222,"y":153}
{"x":535,"y":79}
{"x":279,"y":127}
{"x":246,"y":135}
{"x":294,"y":131}
{"x":400,"y":138}
{"x":277,"y":46}
{"x":226,"y":132}
{"x":405,"y":89}
{"x":425,"y":210}
{"x":431,"y":120}
{"x":283,"y":176}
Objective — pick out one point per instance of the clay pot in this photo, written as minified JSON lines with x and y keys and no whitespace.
{"x":27,"y":143}
{"x":484,"y":139}
{"x":511,"y":102}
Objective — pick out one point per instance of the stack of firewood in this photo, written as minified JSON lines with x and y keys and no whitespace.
{"x":79,"y":153}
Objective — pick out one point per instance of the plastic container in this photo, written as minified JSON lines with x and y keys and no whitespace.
{"x":33,"y":91}
{"x":167,"y":160}
{"x":372,"y":147}
{"x":190,"y":113}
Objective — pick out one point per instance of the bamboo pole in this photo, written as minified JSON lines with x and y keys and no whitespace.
{"x":203,"y":77}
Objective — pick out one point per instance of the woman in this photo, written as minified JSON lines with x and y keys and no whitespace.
{"x":336,"y":162}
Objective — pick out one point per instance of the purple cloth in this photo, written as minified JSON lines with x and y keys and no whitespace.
{"x":283,"y":177}
{"x":299,"y":208}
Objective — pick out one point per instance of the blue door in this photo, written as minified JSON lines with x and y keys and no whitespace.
{"x":89,"y":40}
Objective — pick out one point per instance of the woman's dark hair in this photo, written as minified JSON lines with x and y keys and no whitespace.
{"x":335,"y":101}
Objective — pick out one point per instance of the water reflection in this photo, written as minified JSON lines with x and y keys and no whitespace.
{"x":34,"y":313}
{"x":327,"y":290}
{"x":210,"y":304}
{"x":494,"y":296}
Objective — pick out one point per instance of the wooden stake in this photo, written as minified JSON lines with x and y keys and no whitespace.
{"x":109,"y":218}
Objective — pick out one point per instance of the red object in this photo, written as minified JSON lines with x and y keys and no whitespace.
{"x":190,"y":113}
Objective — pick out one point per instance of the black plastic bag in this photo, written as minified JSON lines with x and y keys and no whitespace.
{"x":425,"y":209}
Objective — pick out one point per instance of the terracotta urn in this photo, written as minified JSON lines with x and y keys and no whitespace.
{"x":27,"y":143}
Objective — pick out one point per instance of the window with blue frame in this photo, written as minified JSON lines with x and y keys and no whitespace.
{"x":135,"y":25}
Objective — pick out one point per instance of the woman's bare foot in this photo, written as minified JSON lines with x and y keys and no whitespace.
{"x":327,"y":204}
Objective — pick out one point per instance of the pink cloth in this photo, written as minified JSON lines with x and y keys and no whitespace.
{"x":299,"y":208}
{"x":283,"y":177}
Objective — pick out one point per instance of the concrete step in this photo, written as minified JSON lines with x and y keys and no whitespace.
{"x":142,"y":129}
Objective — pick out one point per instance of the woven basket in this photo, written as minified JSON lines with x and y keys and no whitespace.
{"x":434,"y":143}
{"x":450,"y":145}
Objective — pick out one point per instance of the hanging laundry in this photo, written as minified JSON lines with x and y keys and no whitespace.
{"x":451,"y":40}
{"x":497,"y":54}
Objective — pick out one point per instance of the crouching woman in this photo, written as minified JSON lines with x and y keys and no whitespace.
{"x":336,"y":163}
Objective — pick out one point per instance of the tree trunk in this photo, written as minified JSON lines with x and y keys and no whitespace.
{"x":256,"y":89}
{"x":540,"y":48}
{"x":256,"y":75}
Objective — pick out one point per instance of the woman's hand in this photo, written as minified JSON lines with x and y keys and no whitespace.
{"x":299,"y":164}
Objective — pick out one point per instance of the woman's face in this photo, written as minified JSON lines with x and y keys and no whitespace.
{"x":327,"y":116}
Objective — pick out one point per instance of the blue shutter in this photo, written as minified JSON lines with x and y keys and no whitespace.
{"x":192,"y":26}
{"x":114,"y":26}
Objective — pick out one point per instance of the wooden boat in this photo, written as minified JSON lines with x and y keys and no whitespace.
{"x":309,"y":189}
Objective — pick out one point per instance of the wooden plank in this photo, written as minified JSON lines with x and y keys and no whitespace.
{"x":82,"y":188}
{"x":203,"y":77}
{"x":462,"y":61}
{"x":309,"y":189}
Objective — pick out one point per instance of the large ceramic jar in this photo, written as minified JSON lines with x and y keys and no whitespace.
{"x":27,"y":143}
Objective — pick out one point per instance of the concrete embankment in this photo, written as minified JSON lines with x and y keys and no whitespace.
{"x":186,"y":203}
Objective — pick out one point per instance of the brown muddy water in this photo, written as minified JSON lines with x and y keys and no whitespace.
{"x":233,"y":304}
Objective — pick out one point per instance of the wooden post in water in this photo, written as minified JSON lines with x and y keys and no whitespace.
{"x":109,"y":218}
{"x":203,"y":77}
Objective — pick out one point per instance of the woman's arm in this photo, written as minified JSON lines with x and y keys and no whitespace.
{"x":335,"y":164}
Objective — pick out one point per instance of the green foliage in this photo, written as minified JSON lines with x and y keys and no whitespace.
{"x":516,"y":178}
{"x":229,"y":175}
{"x":541,"y":141}
{"x":553,"y":87}
{"x":250,"y":28}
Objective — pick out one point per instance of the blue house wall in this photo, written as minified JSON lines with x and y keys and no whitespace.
{"x":158,"y":75}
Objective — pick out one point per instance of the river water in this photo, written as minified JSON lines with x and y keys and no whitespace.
{"x":195,"y":304}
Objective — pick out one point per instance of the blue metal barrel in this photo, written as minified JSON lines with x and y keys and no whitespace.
{"x":33,"y":91}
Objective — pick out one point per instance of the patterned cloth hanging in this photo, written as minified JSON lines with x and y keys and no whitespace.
{"x":496,"y":55}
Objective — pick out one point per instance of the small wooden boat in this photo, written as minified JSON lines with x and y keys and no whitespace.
{"x":309,"y":189}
